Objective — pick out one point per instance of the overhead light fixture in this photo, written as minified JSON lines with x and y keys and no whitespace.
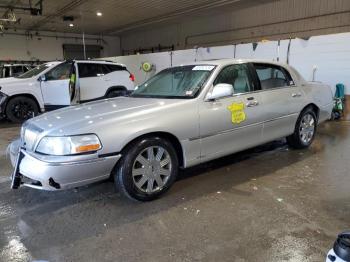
{"x":99,"y":13}
{"x":71,"y":25}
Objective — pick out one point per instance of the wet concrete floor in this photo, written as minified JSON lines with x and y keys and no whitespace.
{"x":266,"y":204}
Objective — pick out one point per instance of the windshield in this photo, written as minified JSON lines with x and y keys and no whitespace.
{"x":176,"y":82}
{"x":35,"y":71}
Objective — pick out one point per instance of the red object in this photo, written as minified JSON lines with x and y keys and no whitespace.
{"x":132,"y":77}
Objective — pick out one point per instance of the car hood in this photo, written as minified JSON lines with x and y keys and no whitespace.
{"x":10,"y":81}
{"x":73,"y":119}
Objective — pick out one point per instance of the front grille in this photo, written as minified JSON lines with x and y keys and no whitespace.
{"x":29,"y":136}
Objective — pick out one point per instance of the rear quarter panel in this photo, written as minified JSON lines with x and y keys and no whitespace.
{"x":120,"y":78}
{"x":321,"y":95}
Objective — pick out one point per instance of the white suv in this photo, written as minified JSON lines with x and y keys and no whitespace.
{"x":57,"y":84}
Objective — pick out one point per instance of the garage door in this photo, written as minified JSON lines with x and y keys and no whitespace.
{"x":77,"y":51}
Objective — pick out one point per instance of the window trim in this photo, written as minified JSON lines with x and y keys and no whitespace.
{"x":256,"y":81}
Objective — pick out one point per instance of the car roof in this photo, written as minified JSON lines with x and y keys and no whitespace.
{"x":99,"y":62}
{"x":223,"y":62}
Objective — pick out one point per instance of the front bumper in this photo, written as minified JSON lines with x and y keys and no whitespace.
{"x":35,"y":172}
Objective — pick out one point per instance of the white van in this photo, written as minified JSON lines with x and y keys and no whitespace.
{"x":57,"y":84}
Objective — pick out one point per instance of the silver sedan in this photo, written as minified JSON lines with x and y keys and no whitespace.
{"x":183,"y":116}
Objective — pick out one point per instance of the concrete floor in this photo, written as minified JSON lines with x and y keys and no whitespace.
{"x":265,"y":204}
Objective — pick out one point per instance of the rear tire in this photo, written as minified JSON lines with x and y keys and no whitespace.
{"x":148,"y":168}
{"x":305,"y":130}
{"x":21,"y":108}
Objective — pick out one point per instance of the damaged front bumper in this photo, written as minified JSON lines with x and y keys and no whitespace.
{"x":50,"y":173}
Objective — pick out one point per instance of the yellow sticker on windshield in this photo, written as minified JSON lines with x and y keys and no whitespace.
{"x":237,"y":112}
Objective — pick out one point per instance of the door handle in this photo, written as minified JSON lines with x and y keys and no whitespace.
{"x":296,"y":95}
{"x":252,"y":103}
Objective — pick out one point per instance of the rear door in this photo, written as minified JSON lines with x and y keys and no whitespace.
{"x":282,"y":100}
{"x":55,"y":86}
{"x":92,"y":84}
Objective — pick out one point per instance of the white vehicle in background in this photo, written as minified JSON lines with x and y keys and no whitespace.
{"x":58,"y":84}
{"x":12,"y":70}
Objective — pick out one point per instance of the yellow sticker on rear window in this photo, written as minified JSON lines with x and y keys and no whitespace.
{"x":237,"y":112}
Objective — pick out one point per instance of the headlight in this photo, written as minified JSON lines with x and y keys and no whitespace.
{"x":68,"y":145}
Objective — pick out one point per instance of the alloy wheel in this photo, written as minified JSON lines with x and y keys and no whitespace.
{"x":307,"y":128}
{"x":152,"y":169}
{"x":23,"y":110}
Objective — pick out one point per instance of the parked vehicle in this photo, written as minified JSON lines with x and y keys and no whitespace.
{"x":58,"y":84}
{"x":12,"y":70}
{"x":181,"y":117}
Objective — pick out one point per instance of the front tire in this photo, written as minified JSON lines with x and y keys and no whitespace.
{"x":148,"y":168}
{"x":305,"y":130}
{"x":21,"y":108}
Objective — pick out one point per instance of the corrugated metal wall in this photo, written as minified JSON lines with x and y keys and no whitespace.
{"x":273,"y":20}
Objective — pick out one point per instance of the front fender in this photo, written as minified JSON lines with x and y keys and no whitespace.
{"x":24,"y":91}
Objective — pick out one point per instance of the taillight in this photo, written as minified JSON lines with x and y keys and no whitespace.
{"x":132,"y":77}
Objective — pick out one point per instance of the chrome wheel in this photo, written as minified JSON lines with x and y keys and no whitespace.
{"x":307,"y":128}
{"x":152,"y":169}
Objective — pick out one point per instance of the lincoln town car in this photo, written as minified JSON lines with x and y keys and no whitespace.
{"x":181,"y":117}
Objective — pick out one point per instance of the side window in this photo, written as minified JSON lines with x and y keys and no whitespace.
{"x":91,"y":70}
{"x":272,"y":76}
{"x":6,"y":71}
{"x":105,"y":69}
{"x":60,"y":72}
{"x":113,"y":68}
{"x":16,"y":70}
{"x":237,"y":76}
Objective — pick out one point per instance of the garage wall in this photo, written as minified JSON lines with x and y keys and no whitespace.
{"x":320,"y":58}
{"x":270,"y":20}
{"x":48,"y":46}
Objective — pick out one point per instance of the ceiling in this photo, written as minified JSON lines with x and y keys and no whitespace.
{"x":117,"y":15}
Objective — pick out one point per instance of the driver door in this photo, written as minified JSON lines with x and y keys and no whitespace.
{"x":55,"y":86}
{"x":234,"y":123}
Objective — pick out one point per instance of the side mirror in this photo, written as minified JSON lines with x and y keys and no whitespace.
{"x":42,"y":78}
{"x":219,"y":91}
